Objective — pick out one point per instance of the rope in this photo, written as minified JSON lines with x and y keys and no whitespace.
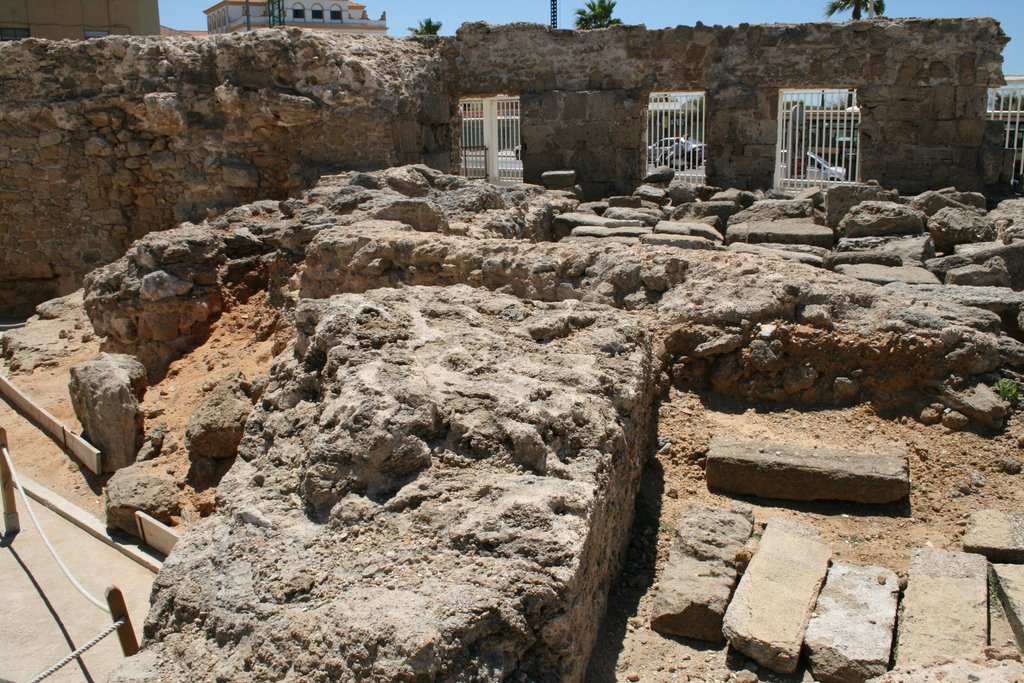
{"x":31,"y":513}
{"x":77,"y":653}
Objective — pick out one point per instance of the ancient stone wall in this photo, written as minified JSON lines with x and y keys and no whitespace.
{"x":104,"y":141}
{"x":921,"y":87}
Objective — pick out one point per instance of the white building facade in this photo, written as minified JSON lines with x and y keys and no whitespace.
{"x":339,"y":16}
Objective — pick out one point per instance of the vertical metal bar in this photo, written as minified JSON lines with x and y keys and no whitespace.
{"x":11,"y":522}
{"x":125,"y":632}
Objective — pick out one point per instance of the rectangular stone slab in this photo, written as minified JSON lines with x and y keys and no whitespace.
{"x":599,"y":231}
{"x":768,"y":615}
{"x":792,"y":473}
{"x":1010,"y":587}
{"x":996,"y":534}
{"x":701,"y":572}
{"x":883,"y":275}
{"x":945,"y":608}
{"x":849,"y":638}
{"x":795,"y":231}
{"x":678,"y":241}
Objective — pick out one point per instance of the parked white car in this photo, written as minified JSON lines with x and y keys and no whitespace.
{"x":815,"y":168}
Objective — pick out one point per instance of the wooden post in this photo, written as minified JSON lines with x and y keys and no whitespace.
{"x":11,"y":523}
{"x":125,"y":632}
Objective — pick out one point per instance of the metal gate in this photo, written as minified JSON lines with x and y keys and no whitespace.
{"x":819,"y":139}
{"x":675,"y":133}
{"x":490,"y":142}
{"x":1007,"y":105}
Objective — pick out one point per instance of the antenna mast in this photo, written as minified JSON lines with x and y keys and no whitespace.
{"x":554,"y":13}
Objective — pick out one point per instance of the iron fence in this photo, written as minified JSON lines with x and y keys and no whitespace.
{"x":675,"y":133}
{"x":1007,"y":105}
{"x":819,"y":139}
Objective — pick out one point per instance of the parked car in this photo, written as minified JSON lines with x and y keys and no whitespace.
{"x":684,"y":154}
{"x":813,"y":168}
{"x":655,"y":151}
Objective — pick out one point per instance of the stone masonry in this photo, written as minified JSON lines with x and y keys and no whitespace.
{"x":104,"y":141}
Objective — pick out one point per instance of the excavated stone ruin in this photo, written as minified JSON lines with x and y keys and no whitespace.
{"x":437,"y":479}
{"x":439,"y":471}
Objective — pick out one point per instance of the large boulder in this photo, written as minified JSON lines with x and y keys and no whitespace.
{"x":143,"y":487}
{"x":774,"y":210}
{"x":952,"y":226}
{"x":105,"y":393}
{"x":879,"y":219}
{"x":841,"y":198}
{"x":216,"y":427}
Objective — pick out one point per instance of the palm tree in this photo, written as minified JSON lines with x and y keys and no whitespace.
{"x":858,"y":6}
{"x":598,"y":14}
{"x":427,"y":27}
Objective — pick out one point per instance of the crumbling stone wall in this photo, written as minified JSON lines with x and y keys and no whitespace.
{"x":921,"y":87}
{"x":104,"y":141}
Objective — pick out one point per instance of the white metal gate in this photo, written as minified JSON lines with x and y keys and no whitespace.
{"x":675,"y":133}
{"x":819,"y":138}
{"x":1007,"y":105}
{"x":490,"y":142}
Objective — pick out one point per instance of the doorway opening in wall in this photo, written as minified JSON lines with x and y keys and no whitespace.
{"x":1007,"y":105}
{"x":819,"y":138}
{"x":675,"y":133}
{"x":490,"y":143}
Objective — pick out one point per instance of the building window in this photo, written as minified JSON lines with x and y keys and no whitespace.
{"x":13,"y":33}
{"x":298,"y":12}
{"x":317,"y":13}
{"x":335,"y":13}
{"x":96,"y":34}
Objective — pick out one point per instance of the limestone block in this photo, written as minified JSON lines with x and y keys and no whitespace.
{"x":849,"y":638}
{"x":761,"y":250}
{"x":1010,"y":588}
{"x":688,"y":228}
{"x":788,"y":231}
{"x":558,"y":180}
{"x":883,"y":275}
{"x":768,"y":615}
{"x":996,"y":534}
{"x":701,"y":572}
{"x":596,"y":231}
{"x":678,"y":241}
{"x":774,"y":210}
{"x":105,"y":393}
{"x":840,"y":199}
{"x":792,"y":473}
{"x":945,"y":608}
{"x":880,"y":219}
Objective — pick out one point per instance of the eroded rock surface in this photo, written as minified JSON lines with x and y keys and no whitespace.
{"x":436,"y":485}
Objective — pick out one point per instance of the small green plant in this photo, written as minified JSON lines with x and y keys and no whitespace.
{"x":1009,"y":390}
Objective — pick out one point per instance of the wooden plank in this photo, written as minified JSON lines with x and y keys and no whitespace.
{"x":155,"y":534}
{"x":11,"y":525}
{"x":87,"y":523}
{"x":88,"y":454}
{"x":125,"y":632}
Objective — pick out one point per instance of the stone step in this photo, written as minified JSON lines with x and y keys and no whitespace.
{"x":563,"y":224}
{"x":945,"y":608}
{"x":761,"y":250}
{"x":692,"y":228}
{"x":849,"y":639}
{"x":792,"y":231}
{"x":883,"y":275}
{"x":701,"y":572}
{"x":1010,"y":588}
{"x":768,"y":615}
{"x":997,"y":535}
{"x":792,"y":473}
{"x":598,"y":231}
{"x":679,"y":241}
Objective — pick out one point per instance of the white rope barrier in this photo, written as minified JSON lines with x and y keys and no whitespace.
{"x":46,"y":541}
{"x":80,"y":651}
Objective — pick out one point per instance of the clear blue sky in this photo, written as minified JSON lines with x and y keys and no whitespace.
{"x":188,"y":14}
